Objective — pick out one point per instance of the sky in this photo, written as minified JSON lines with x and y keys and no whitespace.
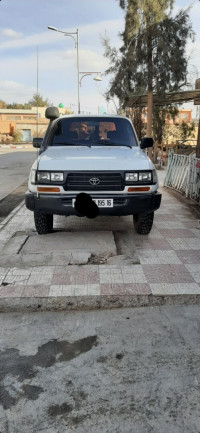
{"x":32,"y":57}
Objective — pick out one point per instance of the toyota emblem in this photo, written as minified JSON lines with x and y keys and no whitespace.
{"x":94,"y":181}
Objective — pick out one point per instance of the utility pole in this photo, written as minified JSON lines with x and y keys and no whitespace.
{"x":197,"y":86}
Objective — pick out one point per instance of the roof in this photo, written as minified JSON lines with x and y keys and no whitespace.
{"x":169,"y":98}
{"x":83,"y":116}
{"x":17,"y":111}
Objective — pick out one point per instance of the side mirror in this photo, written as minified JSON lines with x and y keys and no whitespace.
{"x":37,"y":141}
{"x":52,"y":113}
{"x":146,"y":142}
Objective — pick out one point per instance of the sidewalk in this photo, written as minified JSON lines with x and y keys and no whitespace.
{"x":158,"y":269}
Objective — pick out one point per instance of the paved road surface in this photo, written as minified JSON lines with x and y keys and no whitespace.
{"x":118,"y":371}
{"x":14,"y":169}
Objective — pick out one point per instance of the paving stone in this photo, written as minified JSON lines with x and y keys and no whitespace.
{"x":167,"y":274}
{"x":19,"y":272}
{"x":11,"y":291}
{"x":15,"y":279}
{"x":179,"y":244}
{"x":163,"y":288}
{"x":38,"y":291}
{"x":158,"y":256}
{"x":189,"y":256}
{"x":125,"y":289}
{"x":194,"y":270}
{"x":175,"y":289}
{"x":39,"y":278}
{"x":177,"y":233}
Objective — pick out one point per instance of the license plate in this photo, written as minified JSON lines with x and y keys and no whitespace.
{"x":100,"y":202}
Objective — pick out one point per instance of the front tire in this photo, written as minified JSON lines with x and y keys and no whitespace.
{"x":43,"y":222}
{"x":143,"y":223}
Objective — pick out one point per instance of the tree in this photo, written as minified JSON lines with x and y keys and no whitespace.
{"x":140,"y":19}
{"x":187,"y":130}
{"x":160,"y":115}
{"x":15,"y":105}
{"x":17,"y":136}
{"x":38,"y":101}
{"x":3,"y":104}
{"x":152,"y":57}
{"x":178,"y":131}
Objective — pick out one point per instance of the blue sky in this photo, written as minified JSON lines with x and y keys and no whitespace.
{"x":23,"y":29}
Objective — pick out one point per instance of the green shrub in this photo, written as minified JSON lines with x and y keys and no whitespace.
{"x":17,"y":136}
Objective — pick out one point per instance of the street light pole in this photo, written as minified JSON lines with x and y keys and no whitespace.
{"x":84,"y":74}
{"x":77,"y":55}
{"x":74,"y":35}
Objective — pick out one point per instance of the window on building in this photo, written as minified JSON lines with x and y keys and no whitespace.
{"x":30,"y":117}
{"x":14,"y":117}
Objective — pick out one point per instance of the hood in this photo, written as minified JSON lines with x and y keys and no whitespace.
{"x":94,"y":158}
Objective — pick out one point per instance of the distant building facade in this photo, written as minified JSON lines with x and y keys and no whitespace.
{"x":30,"y":123}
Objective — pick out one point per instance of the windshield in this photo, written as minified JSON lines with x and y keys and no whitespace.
{"x":91,"y":131}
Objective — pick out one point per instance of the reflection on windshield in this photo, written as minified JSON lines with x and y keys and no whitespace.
{"x":91,"y":131}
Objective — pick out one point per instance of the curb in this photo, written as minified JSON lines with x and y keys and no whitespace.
{"x":16,"y":146}
{"x":6,"y":220}
{"x":81,"y":303}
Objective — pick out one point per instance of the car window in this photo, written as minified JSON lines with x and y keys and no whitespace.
{"x":93,"y":131}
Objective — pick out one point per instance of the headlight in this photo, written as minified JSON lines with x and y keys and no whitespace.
{"x":145,"y":177}
{"x":45,"y":176}
{"x":57,"y":177}
{"x":32,"y":176}
{"x":140,"y":177}
{"x":131,"y":177}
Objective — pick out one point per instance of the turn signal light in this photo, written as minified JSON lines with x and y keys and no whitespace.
{"x":48,"y":189}
{"x":138,"y":189}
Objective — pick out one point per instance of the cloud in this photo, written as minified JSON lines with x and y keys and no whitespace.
{"x":12,"y":91}
{"x":87,"y":33}
{"x":11,"y":33}
{"x":57,"y":66}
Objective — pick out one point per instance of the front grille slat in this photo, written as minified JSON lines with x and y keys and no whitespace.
{"x":108,"y":181}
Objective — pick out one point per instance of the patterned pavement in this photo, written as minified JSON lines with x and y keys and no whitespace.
{"x":168,"y":269}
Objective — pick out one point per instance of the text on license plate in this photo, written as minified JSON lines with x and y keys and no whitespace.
{"x":100,"y":202}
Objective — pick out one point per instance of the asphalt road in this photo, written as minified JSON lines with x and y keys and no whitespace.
{"x":14,"y":171}
{"x":117,"y":371}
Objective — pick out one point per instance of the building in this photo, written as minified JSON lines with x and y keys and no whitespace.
{"x":183,"y":116}
{"x":30,"y":123}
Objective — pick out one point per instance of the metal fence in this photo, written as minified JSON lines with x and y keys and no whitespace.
{"x":183,"y":175}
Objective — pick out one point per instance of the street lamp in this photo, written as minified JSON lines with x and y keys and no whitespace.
{"x":84,"y":74}
{"x":74,"y":35}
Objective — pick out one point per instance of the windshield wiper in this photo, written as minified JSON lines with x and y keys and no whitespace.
{"x":111,"y":143}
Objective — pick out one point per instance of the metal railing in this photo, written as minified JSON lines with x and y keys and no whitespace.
{"x":183,"y":175}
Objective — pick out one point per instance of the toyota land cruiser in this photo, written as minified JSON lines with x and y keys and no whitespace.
{"x":100,"y":156}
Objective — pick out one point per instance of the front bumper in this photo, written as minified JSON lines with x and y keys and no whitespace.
{"x":123,"y":204}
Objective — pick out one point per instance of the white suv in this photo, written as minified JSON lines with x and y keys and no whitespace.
{"x":91,"y":165}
